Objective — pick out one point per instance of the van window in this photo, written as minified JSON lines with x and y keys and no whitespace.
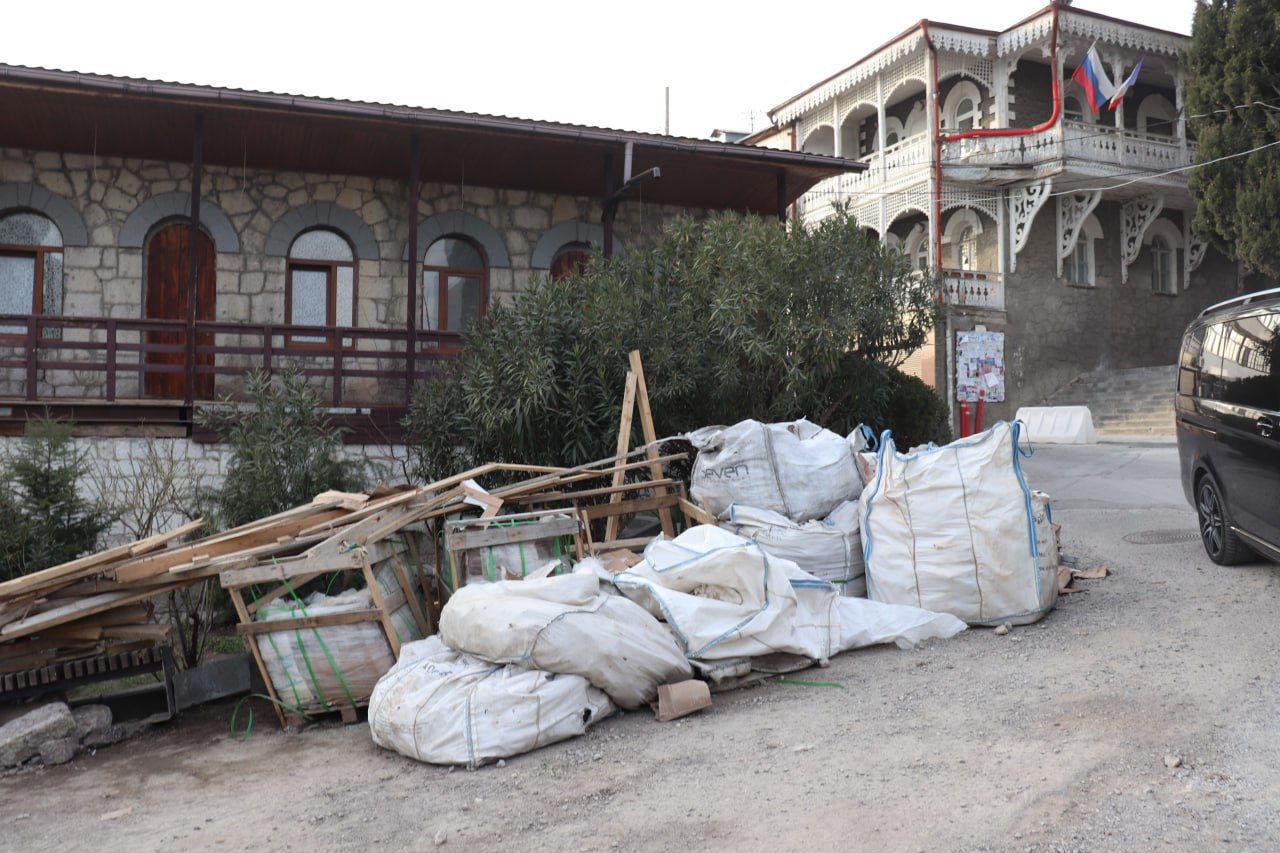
{"x":1250,"y":368}
{"x":1211,"y":362}
{"x":1189,"y":361}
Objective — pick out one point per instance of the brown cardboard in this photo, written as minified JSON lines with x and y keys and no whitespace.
{"x":681,"y":699}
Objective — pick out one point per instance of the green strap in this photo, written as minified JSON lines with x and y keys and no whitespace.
{"x":248,"y":726}
{"x":271,"y":639}
{"x":332,"y":664}
{"x":811,"y":683}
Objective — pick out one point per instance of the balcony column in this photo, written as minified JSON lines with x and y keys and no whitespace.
{"x":881,"y":132}
{"x":836,"y":143}
{"x":1000,"y":71}
{"x":1117,"y":73}
{"x":1179,"y":89}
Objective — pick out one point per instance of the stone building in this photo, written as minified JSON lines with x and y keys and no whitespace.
{"x":1061,"y":230}
{"x":159,"y":240}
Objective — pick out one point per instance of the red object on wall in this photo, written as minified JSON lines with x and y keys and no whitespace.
{"x":964,"y":418}
{"x":977,"y":414}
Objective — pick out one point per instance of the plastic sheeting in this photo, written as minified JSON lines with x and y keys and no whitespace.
{"x":830,"y":549}
{"x":566,"y":624}
{"x":444,"y":707}
{"x":955,"y":529}
{"x":328,"y":666}
{"x":725,"y":597}
{"x":798,"y":469}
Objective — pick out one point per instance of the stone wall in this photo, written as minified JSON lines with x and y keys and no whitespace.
{"x":119,"y":459}
{"x":120,"y":199}
{"x":1055,"y":331}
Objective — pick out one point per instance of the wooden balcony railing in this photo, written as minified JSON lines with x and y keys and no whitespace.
{"x":973,"y":289}
{"x":107,"y":359}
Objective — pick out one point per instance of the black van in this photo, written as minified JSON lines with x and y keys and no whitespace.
{"x":1227,"y":412}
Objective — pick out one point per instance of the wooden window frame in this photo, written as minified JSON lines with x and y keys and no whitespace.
{"x":330,"y":268}
{"x":37,"y":254}
{"x":442,"y":288}
{"x":1169,"y":250}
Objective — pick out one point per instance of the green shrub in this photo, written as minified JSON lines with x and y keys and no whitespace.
{"x":915,"y":412}
{"x":44,"y":519}
{"x":735,"y":317}
{"x":283,"y":451}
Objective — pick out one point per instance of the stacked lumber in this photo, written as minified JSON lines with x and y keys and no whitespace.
{"x":99,"y":609}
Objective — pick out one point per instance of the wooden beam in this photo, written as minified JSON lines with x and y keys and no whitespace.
{"x":650,"y":438}
{"x":624,"y":444}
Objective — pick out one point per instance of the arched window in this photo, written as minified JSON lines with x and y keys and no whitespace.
{"x":963,"y":107}
{"x":1072,"y":108}
{"x":1164,"y":277}
{"x":822,"y":140}
{"x":1080,"y":267}
{"x":454,"y":285}
{"x":915,"y":123}
{"x":893,"y":132}
{"x":30,"y":267}
{"x":569,"y":259}
{"x":962,"y":233}
{"x":1157,"y":116}
{"x":320,"y":289}
{"x":1164,"y":239}
{"x":916,"y":247}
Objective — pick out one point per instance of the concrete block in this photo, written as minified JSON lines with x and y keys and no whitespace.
{"x":22,"y":738}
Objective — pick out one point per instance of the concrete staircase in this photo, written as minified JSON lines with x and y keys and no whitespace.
{"x":1138,"y":401}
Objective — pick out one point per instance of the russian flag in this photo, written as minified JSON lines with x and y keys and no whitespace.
{"x":1093,"y":78}
{"x":1124,"y":87}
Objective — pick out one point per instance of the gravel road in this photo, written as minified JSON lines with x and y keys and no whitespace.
{"x":1140,"y":714}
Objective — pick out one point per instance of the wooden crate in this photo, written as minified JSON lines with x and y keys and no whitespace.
{"x":328,"y":655}
{"x":510,"y":547}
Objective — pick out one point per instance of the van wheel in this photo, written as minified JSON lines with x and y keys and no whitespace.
{"x":1221,"y":543}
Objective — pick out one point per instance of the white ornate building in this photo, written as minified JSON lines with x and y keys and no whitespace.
{"x":1064,"y":228}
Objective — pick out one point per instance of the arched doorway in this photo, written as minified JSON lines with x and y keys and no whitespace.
{"x":166,"y":297}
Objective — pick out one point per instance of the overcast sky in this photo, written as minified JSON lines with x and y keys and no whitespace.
{"x":596,"y":63}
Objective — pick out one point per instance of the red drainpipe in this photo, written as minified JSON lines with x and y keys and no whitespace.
{"x":940,"y":138}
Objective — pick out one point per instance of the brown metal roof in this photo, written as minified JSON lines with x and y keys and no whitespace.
{"x":125,"y":117}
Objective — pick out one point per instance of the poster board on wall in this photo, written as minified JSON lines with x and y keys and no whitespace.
{"x":980,"y":365}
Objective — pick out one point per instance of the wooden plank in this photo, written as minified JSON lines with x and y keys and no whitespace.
{"x":86,"y":607}
{"x":349,"y":617}
{"x":650,"y":439}
{"x":251,"y":640}
{"x":406,"y":586}
{"x":243,"y":538}
{"x":280,"y":591}
{"x":624,"y":444}
{"x":384,"y":612}
{"x":152,"y":631}
{"x":371,"y":508}
{"x":281,"y":570}
{"x":561,"y":496}
{"x":695,"y":513}
{"x":90,"y":564}
{"x":591,"y":513}
{"x":468,"y":540}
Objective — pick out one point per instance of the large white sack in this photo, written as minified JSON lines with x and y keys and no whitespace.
{"x":443,"y":707}
{"x":724,"y":597}
{"x":566,"y":624}
{"x":797,"y":469}
{"x":830,"y":548}
{"x":954,"y":529}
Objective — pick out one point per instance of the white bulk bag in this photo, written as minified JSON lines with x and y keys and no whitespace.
{"x":797,"y":469}
{"x":955,"y":529}
{"x":830,"y":549}
{"x":444,"y":707}
{"x":724,"y":597}
{"x":566,"y":624}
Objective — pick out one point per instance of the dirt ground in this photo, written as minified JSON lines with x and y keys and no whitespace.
{"x":1140,"y":714}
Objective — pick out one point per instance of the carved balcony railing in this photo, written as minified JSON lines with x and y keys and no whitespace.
{"x":973,"y":289}
{"x":1069,"y":141}
{"x":903,"y":162}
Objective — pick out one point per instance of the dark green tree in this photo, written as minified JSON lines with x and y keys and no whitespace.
{"x":44,"y":519}
{"x":735,"y":316}
{"x":1233,"y":98}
